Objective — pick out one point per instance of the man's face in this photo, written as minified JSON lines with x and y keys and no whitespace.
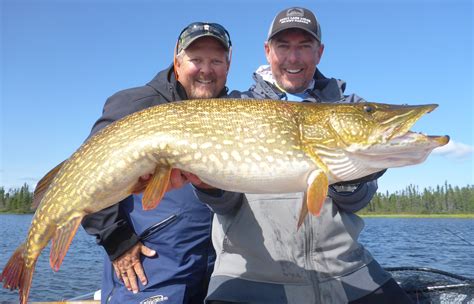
{"x":293,"y":55}
{"x":202,"y":70}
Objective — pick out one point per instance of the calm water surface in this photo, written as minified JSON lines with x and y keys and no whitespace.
{"x":79,"y":273}
{"x":446,"y":244}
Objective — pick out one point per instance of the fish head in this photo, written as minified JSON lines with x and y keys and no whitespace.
{"x":379,"y":136}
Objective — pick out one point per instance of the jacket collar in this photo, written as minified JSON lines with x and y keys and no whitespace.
{"x":323,"y":90}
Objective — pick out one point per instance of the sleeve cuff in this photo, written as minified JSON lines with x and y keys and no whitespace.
{"x":226,"y":203}
{"x":354,"y":201}
{"x":121,"y":239}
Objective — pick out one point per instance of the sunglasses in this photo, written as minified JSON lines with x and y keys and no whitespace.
{"x":198,"y":28}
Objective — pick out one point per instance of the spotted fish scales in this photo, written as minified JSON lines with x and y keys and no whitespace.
{"x":251,"y":146}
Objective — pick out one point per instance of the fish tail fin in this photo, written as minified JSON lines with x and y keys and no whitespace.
{"x":25,"y":284}
{"x":61,"y":242}
{"x":16,"y":275}
{"x":11,"y":274}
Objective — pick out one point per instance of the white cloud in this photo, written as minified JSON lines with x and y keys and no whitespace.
{"x":455,"y":150}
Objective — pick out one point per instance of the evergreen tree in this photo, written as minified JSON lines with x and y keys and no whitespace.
{"x":439,"y":200}
{"x":442,"y":199}
{"x":2,"y":199}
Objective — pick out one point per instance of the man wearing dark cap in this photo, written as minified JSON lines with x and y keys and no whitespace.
{"x":261,"y":256}
{"x":165,"y":254}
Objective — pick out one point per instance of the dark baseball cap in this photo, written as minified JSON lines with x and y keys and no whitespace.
{"x":295,"y":17}
{"x":197,"y":30}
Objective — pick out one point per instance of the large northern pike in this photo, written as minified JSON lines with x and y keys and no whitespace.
{"x":239,"y":145}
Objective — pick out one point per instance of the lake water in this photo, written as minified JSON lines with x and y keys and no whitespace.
{"x":445,"y":244}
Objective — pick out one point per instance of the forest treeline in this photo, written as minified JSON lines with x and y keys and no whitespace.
{"x":16,"y":200}
{"x":442,"y":199}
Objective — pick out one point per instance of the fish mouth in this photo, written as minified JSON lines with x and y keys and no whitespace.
{"x":409,"y":141}
{"x":411,"y":137}
{"x":407,"y":149}
{"x":402,"y":118}
{"x":399,"y":146}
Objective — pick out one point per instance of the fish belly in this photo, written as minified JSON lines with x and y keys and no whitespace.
{"x":269,"y":174}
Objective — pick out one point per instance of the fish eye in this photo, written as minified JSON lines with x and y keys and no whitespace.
{"x":368,"y":109}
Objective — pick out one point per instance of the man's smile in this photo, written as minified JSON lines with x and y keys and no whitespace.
{"x":293,"y":71}
{"x":202,"y":81}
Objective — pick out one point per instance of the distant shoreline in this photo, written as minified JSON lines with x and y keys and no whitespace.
{"x":16,"y":213}
{"x":402,"y":215}
{"x":365,"y":215}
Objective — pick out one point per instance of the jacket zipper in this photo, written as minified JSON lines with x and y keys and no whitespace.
{"x":157,"y":227}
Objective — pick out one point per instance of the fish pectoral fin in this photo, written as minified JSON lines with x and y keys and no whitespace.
{"x":156,"y":188}
{"x":61,"y":241}
{"x":314,"y":196}
{"x":43,"y":185}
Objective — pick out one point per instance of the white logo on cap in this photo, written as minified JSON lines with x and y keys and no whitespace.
{"x":295,"y":15}
{"x":295,"y":12}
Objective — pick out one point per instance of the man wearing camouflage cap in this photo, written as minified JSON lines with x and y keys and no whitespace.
{"x":165,"y":254}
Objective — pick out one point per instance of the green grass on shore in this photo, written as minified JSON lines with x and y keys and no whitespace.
{"x":366,"y":215}
{"x":408,"y":215}
{"x":16,"y":212}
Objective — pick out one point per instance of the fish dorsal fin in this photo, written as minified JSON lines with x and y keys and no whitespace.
{"x":43,"y":185}
{"x":156,"y":188}
{"x":61,"y":241}
{"x":315,"y":195}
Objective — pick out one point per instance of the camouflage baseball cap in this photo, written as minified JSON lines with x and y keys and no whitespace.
{"x":203,"y":29}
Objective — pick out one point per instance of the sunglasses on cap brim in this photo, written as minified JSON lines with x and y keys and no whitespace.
{"x":198,"y":28}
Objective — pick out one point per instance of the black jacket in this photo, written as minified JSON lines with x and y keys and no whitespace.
{"x":110,"y":226}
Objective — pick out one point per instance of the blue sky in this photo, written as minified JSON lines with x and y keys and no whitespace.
{"x":60,"y":60}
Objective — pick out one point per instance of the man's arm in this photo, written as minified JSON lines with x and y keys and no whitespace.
{"x":225,"y":202}
{"x":219,"y":201}
{"x":350,"y":200}
{"x":111,"y":230}
{"x":352,"y":196}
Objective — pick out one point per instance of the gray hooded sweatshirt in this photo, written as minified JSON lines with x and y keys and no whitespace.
{"x":263,"y":258}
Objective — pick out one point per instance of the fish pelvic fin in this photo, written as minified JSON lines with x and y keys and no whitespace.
{"x":314,"y":196}
{"x":61,"y":241}
{"x":43,"y":185}
{"x":16,"y":275}
{"x":156,"y":188}
{"x":317,"y":191}
{"x":317,"y":182}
